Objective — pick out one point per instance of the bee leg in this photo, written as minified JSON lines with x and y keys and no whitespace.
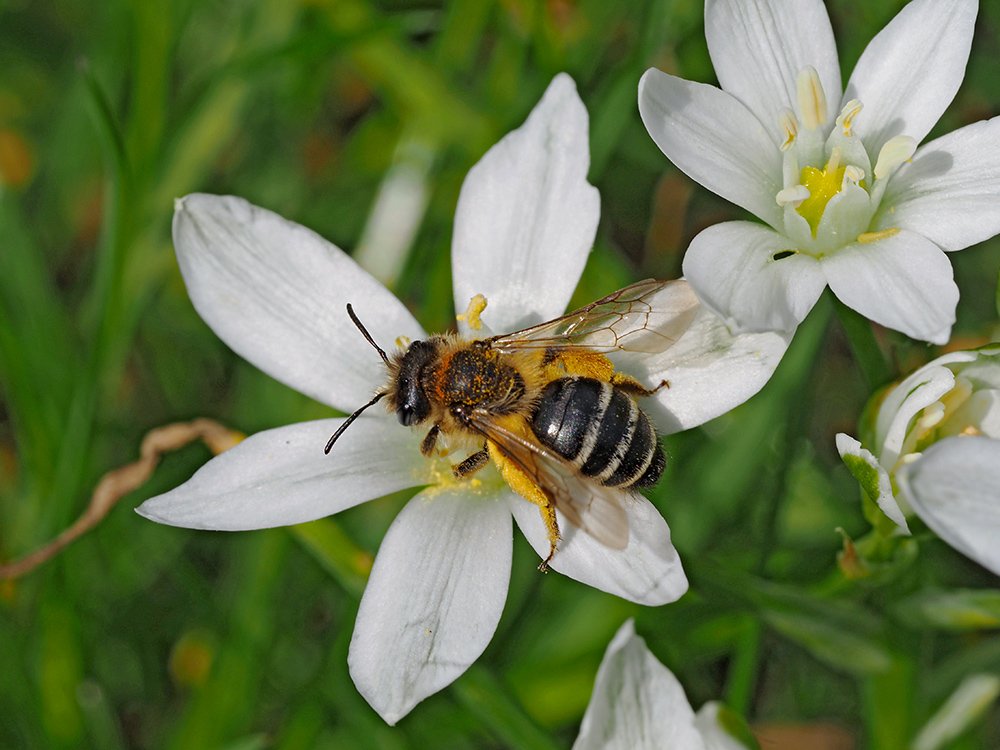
{"x":552,"y":525}
{"x":633,"y":387}
{"x":472,"y":464}
{"x":430,"y":440}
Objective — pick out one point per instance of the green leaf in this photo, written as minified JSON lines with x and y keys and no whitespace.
{"x":962,"y":610}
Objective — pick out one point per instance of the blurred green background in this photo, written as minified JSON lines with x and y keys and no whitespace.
{"x":143,"y":636}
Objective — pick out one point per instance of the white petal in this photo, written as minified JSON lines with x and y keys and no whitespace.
{"x":949,"y":193}
{"x":276,"y":293}
{"x":874,"y":479}
{"x":915,"y":392}
{"x":637,"y":703}
{"x":710,"y":371}
{"x":904,"y":282}
{"x":713,"y":731}
{"x":733,"y":269}
{"x":648,"y":571}
{"x":982,"y":411}
{"x":434,"y":598}
{"x":955,"y":488}
{"x":715,"y":140}
{"x":527,"y":216}
{"x":281,"y":476}
{"x":759,"y":47}
{"x":909,"y":73}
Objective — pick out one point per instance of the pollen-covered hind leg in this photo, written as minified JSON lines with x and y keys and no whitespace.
{"x":527,"y":488}
{"x":552,"y":526}
{"x":472,"y":464}
{"x":430,"y":440}
{"x":633,"y":387}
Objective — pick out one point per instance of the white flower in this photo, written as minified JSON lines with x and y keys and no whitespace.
{"x":638,"y":704}
{"x":849,"y":199}
{"x":275,"y":293}
{"x":937,"y":452}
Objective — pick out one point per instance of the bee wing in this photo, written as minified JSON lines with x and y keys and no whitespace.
{"x":594,"y":508}
{"x":648,"y":316}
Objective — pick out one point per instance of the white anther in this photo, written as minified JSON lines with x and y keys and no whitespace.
{"x":892,"y":155}
{"x":792,"y":196}
{"x":845,"y":120}
{"x":812,"y":99}
{"x":789,"y":126}
{"x":853,"y":174}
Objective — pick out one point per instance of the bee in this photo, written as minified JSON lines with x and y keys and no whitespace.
{"x":546,"y":404}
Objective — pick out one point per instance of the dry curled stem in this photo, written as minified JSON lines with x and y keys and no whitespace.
{"x":117,"y":483}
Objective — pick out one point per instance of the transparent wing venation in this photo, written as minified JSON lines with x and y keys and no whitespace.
{"x":648,"y":316}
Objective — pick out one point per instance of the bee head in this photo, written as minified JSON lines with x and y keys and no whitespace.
{"x":408,"y":395}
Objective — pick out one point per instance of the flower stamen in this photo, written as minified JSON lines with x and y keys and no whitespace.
{"x":845,"y":120}
{"x":812,"y":98}
{"x":472,"y":313}
{"x":790,"y":127}
{"x":866,"y":238}
{"x":893,"y":154}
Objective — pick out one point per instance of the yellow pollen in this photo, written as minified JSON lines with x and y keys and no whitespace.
{"x":822,"y":184}
{"x":473,"y":312}
{"x":866,"y":238}
{"x":790,"y":126}
{"x":846,"y":119}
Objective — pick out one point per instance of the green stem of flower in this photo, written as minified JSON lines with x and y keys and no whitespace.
{"x":867,"y":352}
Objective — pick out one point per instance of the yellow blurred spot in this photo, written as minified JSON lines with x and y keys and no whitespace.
{"x":8,"y":590}
{"x":191,"y":659}
{"x":17,"y":160}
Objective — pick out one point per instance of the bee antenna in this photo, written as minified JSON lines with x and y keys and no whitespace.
{"x":350,"y":420}
{"x":368,"y":337}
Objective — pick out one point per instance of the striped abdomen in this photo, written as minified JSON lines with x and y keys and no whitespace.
{"x":600,"y":430}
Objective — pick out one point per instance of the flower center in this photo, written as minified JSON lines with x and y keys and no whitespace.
{"x":822,"y":185}
{"x":830,"y":190}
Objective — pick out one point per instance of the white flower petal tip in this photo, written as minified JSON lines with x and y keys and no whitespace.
{"x":954,"y":486}
{"x":638,"y":704}
{"x":759,"y":54}
{"x":434,"y":598}
{"x":950,"y":190}
{"x":648,"y":571}
{"x":281,"y":477}
{"x":910,"y":72}
{"x":276,"y":292}
{"x":874,"y":479}
{"x":526,"y":216}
